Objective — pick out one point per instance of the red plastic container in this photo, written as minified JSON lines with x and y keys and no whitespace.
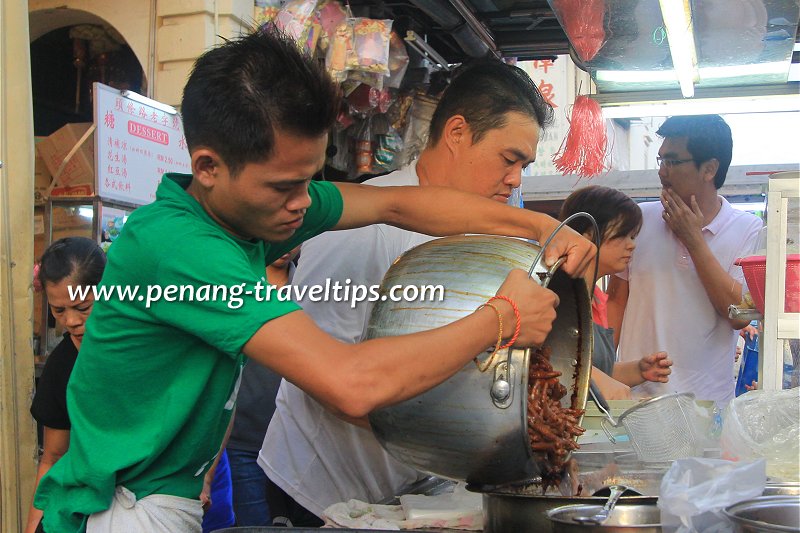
{"x":754,"y":268}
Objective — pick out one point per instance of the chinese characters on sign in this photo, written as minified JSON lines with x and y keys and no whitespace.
{"x":551,"y":78}
{"x":136,"y":144}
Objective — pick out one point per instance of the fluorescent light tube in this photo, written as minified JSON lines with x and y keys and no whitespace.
{"x":677,"y":17}
{"x":702,"y":106}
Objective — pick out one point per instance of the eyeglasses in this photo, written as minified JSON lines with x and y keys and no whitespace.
{"x":669,"y":163}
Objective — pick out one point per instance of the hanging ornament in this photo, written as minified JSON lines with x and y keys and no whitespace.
{"x":584,"y":149}
{"x":583,"y":23}
{"x":79,"y":62}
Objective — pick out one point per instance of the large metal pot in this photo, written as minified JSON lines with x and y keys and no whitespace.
{"x":625,"y":518}
{"x":766,"y":514}
{"x":473,"y":426}
{"x":782,"y":488}
{"x":510,"y":511}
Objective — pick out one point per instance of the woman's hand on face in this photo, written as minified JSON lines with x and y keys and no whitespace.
{"x":656,"y":367}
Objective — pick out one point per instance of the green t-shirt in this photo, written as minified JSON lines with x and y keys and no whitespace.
{"x":153,"y":389}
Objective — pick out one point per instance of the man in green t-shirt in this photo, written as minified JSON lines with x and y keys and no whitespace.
{"x":155,"y":384}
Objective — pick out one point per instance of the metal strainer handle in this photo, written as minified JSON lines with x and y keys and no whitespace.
{"x":601,"y":405}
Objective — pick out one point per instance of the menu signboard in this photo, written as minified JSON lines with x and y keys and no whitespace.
{"x":137,"y":141}
{"x":550,"y":76}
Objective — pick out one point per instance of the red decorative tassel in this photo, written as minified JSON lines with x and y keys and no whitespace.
{"x":584,"y":149}
{"x":583,"y":23}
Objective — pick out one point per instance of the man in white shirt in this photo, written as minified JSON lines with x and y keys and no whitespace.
{"x":682,"y":278}
{"x":484,"y":132}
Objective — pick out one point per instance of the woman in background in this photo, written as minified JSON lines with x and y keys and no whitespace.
{"x":619,"y":220}
{"x":72,"y":261}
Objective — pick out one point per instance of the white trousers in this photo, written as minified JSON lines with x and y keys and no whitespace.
{"x":157,"y":513}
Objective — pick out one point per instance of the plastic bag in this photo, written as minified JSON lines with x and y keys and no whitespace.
{"x":372,"y":45}
{"x":766,"y":424}
{"x":331,"y":14}
{"x":296,"y":19}
{"x":748,"y":366}
{"x":341,"y":53}
{"x":398,"y":61}
{"x":450,"y":506}
{"x":695,"y":490}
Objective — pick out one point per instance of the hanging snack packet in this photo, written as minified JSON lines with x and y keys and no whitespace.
{"x":341,"y":53}
{"x":331,"y":14}
{"x":371,"y":44}
{"x":267,"y":12}
{"x":296,"y":19}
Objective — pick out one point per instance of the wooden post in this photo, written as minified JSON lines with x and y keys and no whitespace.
{"x":17,"y":429}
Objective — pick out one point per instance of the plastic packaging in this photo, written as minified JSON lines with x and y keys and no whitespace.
{"x":451,"y":506}
{"x":341,"y":53}
{"x":765,"y":424}
{"x":398,"y":61}
{"x":390,"y":146}
{"x":748,"y":367}
{"x":360,"y":44}
{"x":331,"y":14}
{"x":695,"y":490}
{"x":296,"y":19}
{"x":372,"y":45}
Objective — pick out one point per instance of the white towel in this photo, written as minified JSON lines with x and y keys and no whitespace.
{"x":157,"y":513}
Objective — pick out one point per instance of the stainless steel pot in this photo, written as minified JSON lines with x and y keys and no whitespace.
{"x":766,"y":514}
{"x":473,"y":426}
{"x":511,"y":511}
{"x":784,"y":488}
{"x":625,"y":518}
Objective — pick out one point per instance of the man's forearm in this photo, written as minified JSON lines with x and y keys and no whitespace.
{"x":722,"y":289}
{"x":437,"y":211}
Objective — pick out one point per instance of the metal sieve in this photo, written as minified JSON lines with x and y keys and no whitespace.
{"x":660,"y":429}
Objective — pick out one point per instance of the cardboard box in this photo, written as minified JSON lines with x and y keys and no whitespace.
{"x":41,"y":177}
{"x":77,"y":179}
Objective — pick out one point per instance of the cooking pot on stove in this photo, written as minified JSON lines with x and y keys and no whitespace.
{"x":511,"y":510}
{"x":473,"y":426}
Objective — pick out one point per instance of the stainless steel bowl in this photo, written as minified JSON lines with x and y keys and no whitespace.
{"x":767,"y":514}
{"x":506,"y":511}
{"x":473,"y":426}
{"x":624,"y":518}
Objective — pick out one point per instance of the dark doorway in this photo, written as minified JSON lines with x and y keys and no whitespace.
{"x":64,"y":64}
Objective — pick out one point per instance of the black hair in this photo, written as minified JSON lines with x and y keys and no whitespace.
{"x":483,"y":92}
{"x":615,"y":212}
{"x":78,"y":258}
{"x":247,"y":89}
{"x":707,"y":137}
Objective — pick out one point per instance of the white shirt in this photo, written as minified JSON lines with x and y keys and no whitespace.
{"x":315,"y":457}
{"x":669,"y":309}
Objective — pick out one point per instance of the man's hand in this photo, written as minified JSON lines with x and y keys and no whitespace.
{"x":205,"y":495}
{"x":537,"y":308}
{"x":749,"y":332}
{"x":579,"y":251}
{"x":656,"y":367}
{"x":685,"y":222}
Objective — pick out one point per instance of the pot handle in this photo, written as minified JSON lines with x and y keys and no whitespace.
{"x":546,"y":280}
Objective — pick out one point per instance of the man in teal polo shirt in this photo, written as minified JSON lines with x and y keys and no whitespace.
{"x":155,"y":383}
